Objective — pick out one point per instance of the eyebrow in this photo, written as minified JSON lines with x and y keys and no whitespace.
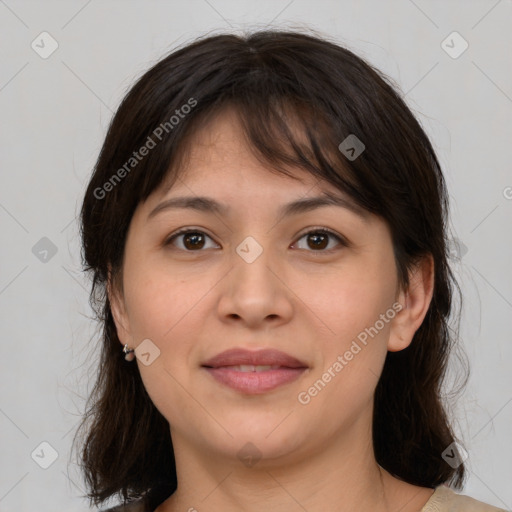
{"x":210,"y":205}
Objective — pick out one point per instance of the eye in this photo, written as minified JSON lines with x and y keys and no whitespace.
{"x":195,"y":240}
{"x":192,"y":239}
{"x":318,"y":239}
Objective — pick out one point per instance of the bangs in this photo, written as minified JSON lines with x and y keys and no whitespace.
{"x":284,"y":133}
{"x":297,"y":104}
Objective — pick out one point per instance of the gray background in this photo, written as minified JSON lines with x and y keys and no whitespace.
{"x":55,"y":112}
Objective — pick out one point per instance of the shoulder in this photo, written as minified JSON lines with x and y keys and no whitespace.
{"x":149,"y":502}
{"x":445,"y":499}
{"x":135,"y":506}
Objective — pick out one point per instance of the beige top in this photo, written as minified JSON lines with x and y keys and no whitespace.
{"x":443,"y":500}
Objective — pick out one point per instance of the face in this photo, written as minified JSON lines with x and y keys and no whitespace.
{"x":252,"y":276}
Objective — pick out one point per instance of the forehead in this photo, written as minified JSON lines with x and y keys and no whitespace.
{"x":221,"y":169}
{"x":218,"y":156}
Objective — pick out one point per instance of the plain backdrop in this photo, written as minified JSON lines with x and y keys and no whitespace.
{"x":55,"y":110}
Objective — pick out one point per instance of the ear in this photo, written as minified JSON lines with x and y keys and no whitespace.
{"x":118,"y":308}
{"x":415,"y":301}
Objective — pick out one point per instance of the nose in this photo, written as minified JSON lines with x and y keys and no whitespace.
{"x":256,"y":293}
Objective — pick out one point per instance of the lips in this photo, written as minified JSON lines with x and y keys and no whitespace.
{"x":254,"y":372}
{"x":264,"y":357}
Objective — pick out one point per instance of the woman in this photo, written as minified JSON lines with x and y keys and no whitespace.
{"x":265,"y":226}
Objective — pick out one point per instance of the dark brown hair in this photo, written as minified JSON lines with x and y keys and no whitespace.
{"x":271,"y":78}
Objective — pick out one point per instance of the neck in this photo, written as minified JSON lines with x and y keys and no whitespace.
{"x":344,"y":477}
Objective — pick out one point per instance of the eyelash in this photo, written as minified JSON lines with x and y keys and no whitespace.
{"x":324,"y":231}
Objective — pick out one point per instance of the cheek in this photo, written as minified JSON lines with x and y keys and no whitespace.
{"x":170,"y":311}
{"x":158,"y":303}
{"x":356,"y":306}
{"x":167,"y":311}
{"x":353,"y":299}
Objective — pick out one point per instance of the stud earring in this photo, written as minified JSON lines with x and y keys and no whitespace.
{"x":129,"y":353}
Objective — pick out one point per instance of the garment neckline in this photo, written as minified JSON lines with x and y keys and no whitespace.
{"x":440,"y":493}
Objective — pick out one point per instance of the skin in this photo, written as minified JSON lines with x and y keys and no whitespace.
{"x":311,"y":303}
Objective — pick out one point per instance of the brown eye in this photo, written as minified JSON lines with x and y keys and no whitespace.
{"x":319,"y":239}
{"x":191,"y":240}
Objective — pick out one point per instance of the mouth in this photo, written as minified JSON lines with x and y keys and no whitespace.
{"x":245,"y":368}
{"x":254,"y":372}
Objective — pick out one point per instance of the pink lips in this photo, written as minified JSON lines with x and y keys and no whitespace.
{"x":254,"y":382}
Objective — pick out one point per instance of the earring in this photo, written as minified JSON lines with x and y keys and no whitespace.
{"x":129,"y":353}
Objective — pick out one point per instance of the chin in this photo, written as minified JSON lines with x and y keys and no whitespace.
{"x":271,"y":435}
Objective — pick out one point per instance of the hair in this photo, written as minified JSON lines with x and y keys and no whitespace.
{"x":272,"y":79}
